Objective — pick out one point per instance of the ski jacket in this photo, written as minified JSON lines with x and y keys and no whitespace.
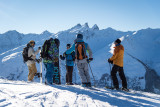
{"x":53,"y":53}
{"x":32,"y":53}
{"x":87,"y":48}
{"x":69,"y":58}
{"x":117,"y":57}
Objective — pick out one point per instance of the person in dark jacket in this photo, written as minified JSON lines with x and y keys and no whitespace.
{"x":69,"y":65}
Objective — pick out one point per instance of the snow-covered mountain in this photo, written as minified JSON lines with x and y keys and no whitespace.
{"x":141,"y":60}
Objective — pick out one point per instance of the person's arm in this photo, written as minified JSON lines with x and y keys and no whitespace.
{"x":89,"y":51}
{"x":73,"y":55}
{"x":69,"y":51}
{"x":114,"y":55}
{"x":63,"y":57}
{"x":34,"y":53}
{"x":31,"y":52}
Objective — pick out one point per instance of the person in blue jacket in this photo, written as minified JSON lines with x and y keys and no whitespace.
{"x":81,"y":48}
{"x":70,"y":58}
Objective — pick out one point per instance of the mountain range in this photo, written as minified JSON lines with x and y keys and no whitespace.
{"x":141,"y":58}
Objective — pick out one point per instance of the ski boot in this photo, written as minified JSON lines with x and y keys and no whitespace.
{"x":124,"y":89}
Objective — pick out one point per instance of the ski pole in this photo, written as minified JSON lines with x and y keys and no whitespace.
{"x":110,"y":74}
{"x":92,"y":75}
{"x":41,"y":70}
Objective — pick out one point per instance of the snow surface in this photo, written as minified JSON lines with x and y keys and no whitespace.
{"x":26,"y":94}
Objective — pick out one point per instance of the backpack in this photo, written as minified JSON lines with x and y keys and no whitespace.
{"x":70,"y":57}
{"x":45,"y":48}
{"x":25,"y":54}
{"x":80,"y":51}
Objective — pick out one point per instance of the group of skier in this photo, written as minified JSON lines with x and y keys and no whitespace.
{"x":77,"y":53}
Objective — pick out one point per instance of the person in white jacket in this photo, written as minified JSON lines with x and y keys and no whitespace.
{"x":31,"y":63}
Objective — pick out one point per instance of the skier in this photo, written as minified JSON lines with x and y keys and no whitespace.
{"x":49,"y":56}
{"x":117,"y":60}
{"x":70,"y":58}
{"x":31,"y":60}
{"x":81,"y":48}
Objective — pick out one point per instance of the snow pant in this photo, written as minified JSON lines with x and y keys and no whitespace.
{"x":49,"y":73}
{"x":114,"y":71}
{"x":83,"y":71}
{"x":69,"y":74}
{"x":32,"y":71}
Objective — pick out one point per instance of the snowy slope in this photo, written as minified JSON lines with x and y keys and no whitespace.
{"x":136,"y":45}
{"x":23,"y":94}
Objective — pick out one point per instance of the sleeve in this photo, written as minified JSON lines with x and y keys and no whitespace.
{"x":89,"y":52}
{"x":114,"y":55}
{"x":64,"y":56}
{"x":73,"y":55}
{"x":69,"y":51}
{"x":32,"y":52}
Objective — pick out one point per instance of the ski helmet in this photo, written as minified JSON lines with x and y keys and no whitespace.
{"x":79,"y":36}
{"x":118,"y":41}
{"x":69,"y":45}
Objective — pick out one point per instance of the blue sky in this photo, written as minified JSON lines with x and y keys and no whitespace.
{"x":35,"y":16}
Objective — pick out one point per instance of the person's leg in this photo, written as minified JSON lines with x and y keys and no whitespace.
{"x":81,"y":72}
{"x":114,"y":77}
{"x":70,"y":71}
{"x":123,"y":78}
{"x":32,"y":71}
{"x":86,"y":72}
{"x":67,"y":74}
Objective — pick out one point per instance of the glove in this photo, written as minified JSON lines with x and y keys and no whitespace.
{"x":110,"y":61}
{"x":37,"y":60}
{"x":89,"y":60}
{"x":39,"y":48}
{"x":61,"y":56}
{"x":40,"y":59}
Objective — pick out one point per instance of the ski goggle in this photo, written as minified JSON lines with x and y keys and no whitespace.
{"x":32,"y":42}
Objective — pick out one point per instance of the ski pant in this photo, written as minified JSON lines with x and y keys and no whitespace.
{"x":49,"y":73}
{"x":83,"y":71}
{"x":69,"y":74}
{"x":32,"y":71}
{"x":114,"y":71}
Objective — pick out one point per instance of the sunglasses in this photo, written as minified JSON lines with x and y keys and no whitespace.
{"x":33,"y":43}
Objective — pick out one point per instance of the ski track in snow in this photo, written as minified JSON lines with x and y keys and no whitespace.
{"x":23,"y":94}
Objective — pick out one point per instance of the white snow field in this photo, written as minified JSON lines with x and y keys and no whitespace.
{"x":24,"y":94}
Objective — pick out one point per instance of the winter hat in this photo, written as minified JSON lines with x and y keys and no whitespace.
{"x":118,"y":41}
{"x":79,"y":36}
{"x":69,"y":45}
